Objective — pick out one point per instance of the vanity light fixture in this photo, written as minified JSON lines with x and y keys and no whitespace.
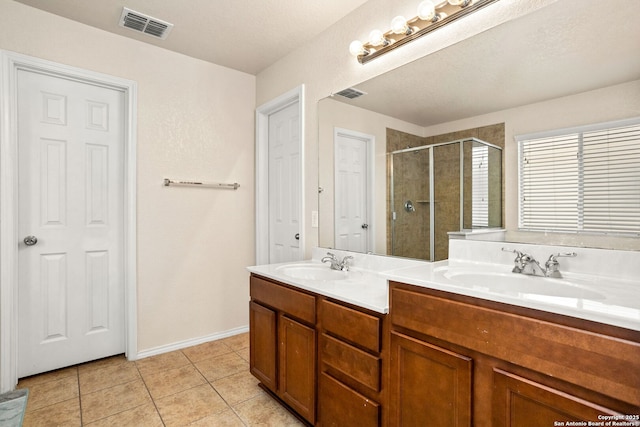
{"x":432,"y":14}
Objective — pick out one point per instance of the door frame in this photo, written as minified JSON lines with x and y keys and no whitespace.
{"x":370,"y":143}
{"x":263,"y":112}
{"x":10,"y":64}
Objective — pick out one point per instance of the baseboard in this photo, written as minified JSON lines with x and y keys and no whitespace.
{"x":189,"y":343}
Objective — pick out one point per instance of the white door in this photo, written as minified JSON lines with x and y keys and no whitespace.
{"x":71,"y":199}
{"x":352,"y":216}
{"x":284,"y":185}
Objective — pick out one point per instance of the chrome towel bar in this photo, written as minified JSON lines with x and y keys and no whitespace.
{"x":234,"y":186}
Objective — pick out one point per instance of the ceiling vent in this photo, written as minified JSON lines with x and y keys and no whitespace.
{"x":144,"y":24}
{"x":351,"y":93}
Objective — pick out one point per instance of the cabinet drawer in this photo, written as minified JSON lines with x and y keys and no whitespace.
{"x":352,"y":325}
{"x":340,"y":406}
{"x":350,"y":361}
{"x":296,"y":304}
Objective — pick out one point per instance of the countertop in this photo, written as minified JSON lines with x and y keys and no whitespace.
{"x":612,"y":301}
{"x":595,"y":297}
{"x":370,"y":291}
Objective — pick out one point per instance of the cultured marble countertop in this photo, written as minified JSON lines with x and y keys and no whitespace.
{"x":370,"y":290}
{"x":608,"y":300}
{"x":596,"y":297}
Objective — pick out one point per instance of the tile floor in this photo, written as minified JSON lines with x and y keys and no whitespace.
{"x":204,"y":385}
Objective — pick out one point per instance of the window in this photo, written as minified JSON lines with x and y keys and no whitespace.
{"x":581,"y":180}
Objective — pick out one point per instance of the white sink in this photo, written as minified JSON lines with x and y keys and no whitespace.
{"x":317,"y":272}
{"x":513,"y":283}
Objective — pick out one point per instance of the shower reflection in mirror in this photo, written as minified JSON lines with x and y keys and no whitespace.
{"x":438,"y":188}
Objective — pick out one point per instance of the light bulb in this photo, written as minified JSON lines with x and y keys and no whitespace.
{"x":439,"y":3}
{"x":376,"y":38}
{"x":399,"y":25}
{"x":426,"y":10}
{"x":356,"y":48}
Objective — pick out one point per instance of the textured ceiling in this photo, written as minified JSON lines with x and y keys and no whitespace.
{"x":569,"y":47}
{"x":246,"y":35}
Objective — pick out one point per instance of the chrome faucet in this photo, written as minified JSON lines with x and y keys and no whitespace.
{"x":527,"y":264}
{"x":335,"y":263}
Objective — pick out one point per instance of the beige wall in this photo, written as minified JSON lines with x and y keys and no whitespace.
{"x":195,"y":122}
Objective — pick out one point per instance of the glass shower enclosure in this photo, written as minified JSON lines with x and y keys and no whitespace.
{"x":439,"y":188}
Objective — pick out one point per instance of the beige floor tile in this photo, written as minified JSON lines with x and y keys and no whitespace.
{"x":58,"y":374}
{"x":65,"y":414}
{"x":172,"y":381}
{"x":222,"y":366}
{"x":244,"y":353}
{"x":190,"y":405}
{"x":206,"y":351}
{"x":92,"y":380}
{"x":226,"y":418}
{"x":238,"y":387}
{"x":237,"y":342}
{"x":263,"y":411}
{"x":174,"y":359}
{"x":111,"y":401}
{"x":51,"y":392}
{"x":103,"y":363}
{"x":141,"y":416}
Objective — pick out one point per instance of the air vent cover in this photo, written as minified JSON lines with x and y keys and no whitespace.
{"x":144,"y":24}
{"x":351,"y":93}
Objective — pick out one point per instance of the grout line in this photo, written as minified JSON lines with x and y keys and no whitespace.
{"x":153,"y":401}
{"x":79,"y":395}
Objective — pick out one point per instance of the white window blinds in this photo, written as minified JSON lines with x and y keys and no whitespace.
{"x":583,"y":181}
{"x":479,"y":186}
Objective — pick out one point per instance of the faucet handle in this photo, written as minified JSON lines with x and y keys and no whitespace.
{"x":515,"y":251}
{"x":553,"y":257}
{"x":552,"y":264}
{"x":519,"y":261}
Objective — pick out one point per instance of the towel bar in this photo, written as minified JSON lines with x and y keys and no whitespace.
{"x":234,"y":186}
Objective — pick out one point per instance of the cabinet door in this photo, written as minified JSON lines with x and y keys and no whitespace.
{"x":430,"y":386}
{"x":519,"y":402}
{"x":297,"y":363}
{"x":263,"y":344}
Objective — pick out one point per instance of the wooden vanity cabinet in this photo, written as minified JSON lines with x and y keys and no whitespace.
{"x":283,"y":343}
{"x":463,"y":361}
{"x":350,"y":389}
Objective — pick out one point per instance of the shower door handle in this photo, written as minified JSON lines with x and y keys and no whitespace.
{"x":365,"y":226}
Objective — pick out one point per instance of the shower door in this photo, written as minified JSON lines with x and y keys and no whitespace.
{"x":410,"y":209}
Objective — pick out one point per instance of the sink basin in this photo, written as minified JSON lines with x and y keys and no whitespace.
{"x":512,"y":283}
{"x":319,"y":272}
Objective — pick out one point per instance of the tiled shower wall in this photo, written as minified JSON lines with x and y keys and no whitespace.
{"x":411,"y":174}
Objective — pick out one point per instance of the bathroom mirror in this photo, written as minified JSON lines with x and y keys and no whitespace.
{"x":486,"y":87}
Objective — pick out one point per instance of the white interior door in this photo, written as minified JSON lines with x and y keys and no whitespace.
{"x":71,"y":199}
{"x":284,"y":185}
{"x":353,"y":226}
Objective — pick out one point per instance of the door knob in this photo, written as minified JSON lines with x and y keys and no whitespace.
{"x":365,"y":226}
{"x":30,"y":240}
{"x":297,"y":236}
